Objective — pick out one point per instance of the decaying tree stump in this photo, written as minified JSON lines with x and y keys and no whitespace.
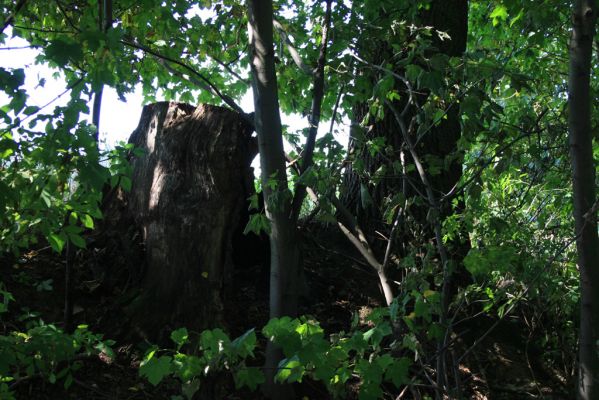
{"x":188,"y":190}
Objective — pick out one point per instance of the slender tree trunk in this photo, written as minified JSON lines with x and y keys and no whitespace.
{"x":68,"y":290}
{"x":317,"y":96}
{"x":585,"y":213}
{"x":104,"y":22}
{"x":284,"y":261}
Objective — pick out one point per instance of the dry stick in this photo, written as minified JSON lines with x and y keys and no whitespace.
{"x":68,"y":291}
{"x":338,"y":100}
{"x":411,"y":99}
{"x":314,"y":120}
{"x":30,"y":28}
{"x":356,"y":236}
{"x":11,"y":17}
{"x":201,"y":85}
{"x":104,"y":24}
{"x":436,"y":210}
{"x":69,"y":21}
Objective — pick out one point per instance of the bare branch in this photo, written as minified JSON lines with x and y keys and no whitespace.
{"x":294,"y":53}
{"x":314,"y":119}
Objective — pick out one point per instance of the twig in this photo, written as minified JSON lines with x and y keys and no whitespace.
{"x":11,"y":17}
{"x":230,"y":70}
{"x":392,"y":236}
{"x":19,"y":47}
{"x":71,"y":86}
{"x":30,"y":28}
{"x":435,"y":208}
{"x":411,"y":98}
{"x":64,"y":14}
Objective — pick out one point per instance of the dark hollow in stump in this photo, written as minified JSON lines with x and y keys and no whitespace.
{"x":188,"y":190}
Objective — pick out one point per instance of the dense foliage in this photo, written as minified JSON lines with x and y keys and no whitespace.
{"x":512,"y":205}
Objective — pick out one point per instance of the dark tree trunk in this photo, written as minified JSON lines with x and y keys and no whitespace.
{"x":421,"y":227}
{"x":440,"y":141}
{"x":188,"y":190}
{"x":584,"y":194}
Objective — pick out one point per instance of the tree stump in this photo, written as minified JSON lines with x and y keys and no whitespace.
{"x":188,"y":190}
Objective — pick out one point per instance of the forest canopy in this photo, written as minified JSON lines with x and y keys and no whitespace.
{"x":448,"y":249}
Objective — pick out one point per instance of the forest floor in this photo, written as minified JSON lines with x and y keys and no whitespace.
{"x":502,"y":366}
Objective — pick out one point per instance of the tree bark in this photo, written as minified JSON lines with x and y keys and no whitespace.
{"x":188,"y":189}
{"x":441,"y":141}
{"x":584,"y":193}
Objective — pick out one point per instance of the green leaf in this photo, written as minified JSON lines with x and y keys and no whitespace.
{"x":397,"y":372}
{"x":29,"y":110}
{"x":180,"y":336}
{"x":365,"y":197}
{"x":257,"y":223}
{"x":46,"y":198}
{"x":376,"y":334}
{"x":77,"y":240}
{"x":61,"y":50}
{"x":188,"y":367}
{"x":57,"y":242}
{"x":125,"y":182}
{"x":421,"y":308}
{"x":245,"y":344}
{"x":413,"y":72}
{"x":190,"y":388}
{"x":68,"y":381}
{"x":251,"y":377}
{"x":290,"y":370}
{"x":155,"y":369}
{"x":470,"y":105}
{"x":499,"y":13}
{"x":87,"y":221}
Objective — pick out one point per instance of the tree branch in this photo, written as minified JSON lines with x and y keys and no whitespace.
{"x":314,"y":119}
{"x":206,"y":83}
{"x":229,"y":69}
{"x":11,"y":17}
